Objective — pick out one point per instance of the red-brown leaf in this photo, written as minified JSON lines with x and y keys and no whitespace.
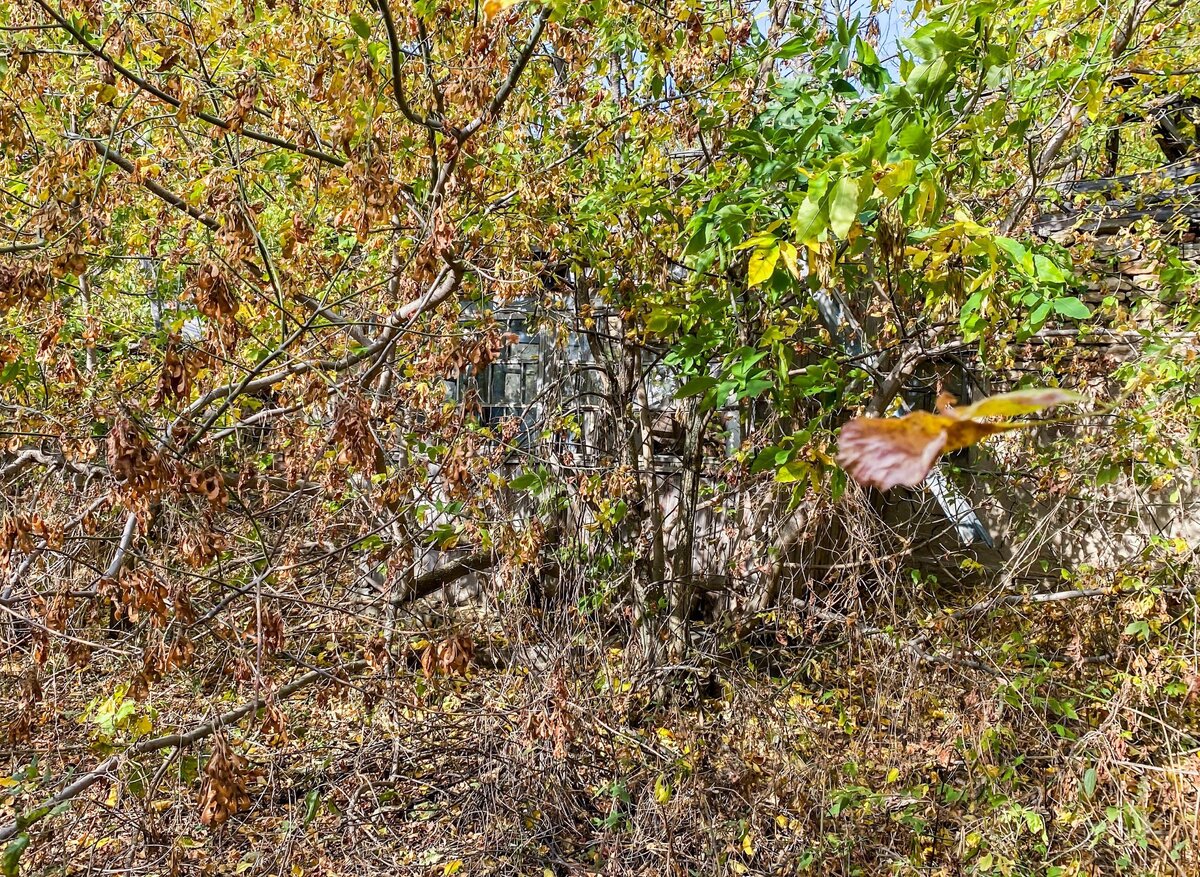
{"x":884,"y":452}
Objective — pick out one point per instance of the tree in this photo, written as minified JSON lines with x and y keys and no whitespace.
{"x":248,"y":247}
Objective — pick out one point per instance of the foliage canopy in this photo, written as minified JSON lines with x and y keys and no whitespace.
{"x":267,"y":269}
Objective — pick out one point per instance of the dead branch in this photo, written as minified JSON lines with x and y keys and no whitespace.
{"x":145,"y":747}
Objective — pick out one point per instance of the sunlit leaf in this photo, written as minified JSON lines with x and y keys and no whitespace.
{"x":843,"y":206}
{"x":897,"y":178}
{"x":809,"y":221}
{"x":1047,"y":270}
{"x":915,"y":138}
{"x":762,"y":264}
{"x":787,"y":251}
{"x":1018,"y":402}
{"x":1070,"y":306}
{"x":883,"y":452}
{"x":492,"y":8}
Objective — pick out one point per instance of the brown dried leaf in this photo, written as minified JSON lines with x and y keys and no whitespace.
{"x":450,"y":657}
{"x":223,"y":792}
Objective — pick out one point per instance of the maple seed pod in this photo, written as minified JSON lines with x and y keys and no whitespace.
{"x":451,"y":656}
{"x":131,"y":459}
{"x":223,"y":792}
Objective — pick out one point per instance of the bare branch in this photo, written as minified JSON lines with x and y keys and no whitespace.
{"x":145,"y":747}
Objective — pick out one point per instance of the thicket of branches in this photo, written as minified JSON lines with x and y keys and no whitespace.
{"x":283,"y":589}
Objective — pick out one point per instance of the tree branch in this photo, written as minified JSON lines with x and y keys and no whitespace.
{"x":146,"y":85}
{"x":108,"y":153}
{"x":145,"y":747}
{"x":1067,"y":120}
{"x":493,"y":108}
{"x":395,"y":52}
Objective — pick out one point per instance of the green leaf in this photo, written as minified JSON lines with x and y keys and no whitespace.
{"x":970,"y":308}
{"x":1071,"y":307}
{"x":527,"y":481}
{"x":754,"y":387}
{"x":312,"y":803}
{"x":793,"y":47}
{"x":843,"y":207}
{"x":1047,"y":270}
{"x":698,"y":241}
{"x":1140,"y":629}
{"x":12,"y":855}
{"x":1089,"y":781}
{"x":837,"y":484}
{"x":360,"y":25}
{"x":765,"y":460}
{"x":915,"y":138}
{"x":932,"y":39}
{"x":1107,"y":474}
{"x":696,"y":386}
{"x":1016,"y":252}
{"x":928,"y":78}
{"x":762,"y":264}
{"x":866,"y":54}
{"x":810,"y":221}
{"x":793,"y":471}
{"x":662,"y":322}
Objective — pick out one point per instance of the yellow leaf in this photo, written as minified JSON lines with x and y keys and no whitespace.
{"x":662,"y":790}
{"x":762,"y":264}
{"x":897,"y":178}
{"x":748,"y":843}
{"x":884,"y":452}
{"x":964,"y":433}
{"x":452,"y":867}
{"x":492,"y":8}
{"x":788,"y":251}
{"x":1017,"y":402}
